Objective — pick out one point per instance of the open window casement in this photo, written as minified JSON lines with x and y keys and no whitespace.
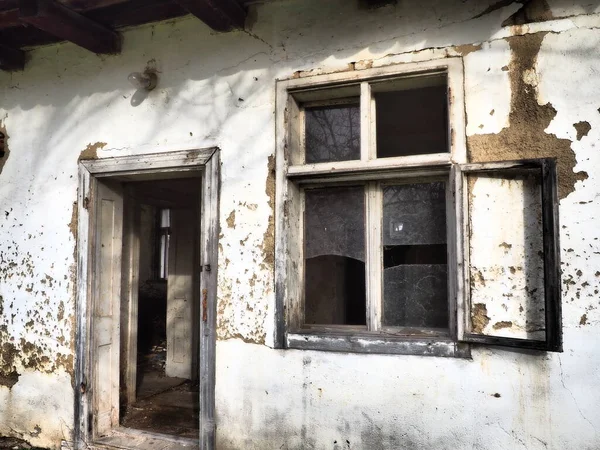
{"x":508,"y":254}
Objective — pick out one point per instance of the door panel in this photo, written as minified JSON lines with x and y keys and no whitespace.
{"x":180,"y":294}
{"x":108,"y":248}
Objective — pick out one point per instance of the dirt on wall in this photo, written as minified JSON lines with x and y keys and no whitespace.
{"x":525,"y":137}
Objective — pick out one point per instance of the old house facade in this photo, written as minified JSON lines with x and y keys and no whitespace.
{"x":365,"y":225}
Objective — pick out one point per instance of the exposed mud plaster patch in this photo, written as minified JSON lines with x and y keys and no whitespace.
{"x":501,"y":325}
{"x":583,"y":320}
{"x":4,"y":151}
{"x":73,"y":223}
{"x":479,"y":318}
{"x":525,"y":137}
{"x":268,"y":244}
{"x":582,"y":128}
{"x":91,"y":151}
{"x":9,"y":379}
{"x":464,"y":50}
{"x":8,"y":371}
{"x":231,"y":219}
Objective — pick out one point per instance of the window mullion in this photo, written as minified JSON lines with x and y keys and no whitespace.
{"x":367,"y":120}
{"x":373,"y":255}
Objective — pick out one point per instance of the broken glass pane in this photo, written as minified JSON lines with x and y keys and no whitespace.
{"x":415,"y":287}
{"x":334,"y":256}
{"x":416,"y":296}
{"x":412,"y":121}
{"x":332,"y":133}
{"x":414,"y":214}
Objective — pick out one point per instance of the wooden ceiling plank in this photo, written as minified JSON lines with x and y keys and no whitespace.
{"x":11,"y":58}
{"x":56,"y":19}
{"x":220,"y":15}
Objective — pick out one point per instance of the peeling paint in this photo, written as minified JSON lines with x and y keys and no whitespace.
{"x":582,"y":128}
{"x":268,"y":244}
{"x":502,"y":324}
{"x":91,"y":151}
{"x":525,"y":137}
{"x":464,"y":50}
{"x":479,"y":318}
{"x":231,"y":219}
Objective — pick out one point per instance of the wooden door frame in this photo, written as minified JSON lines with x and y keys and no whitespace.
{"x":130,"y":168}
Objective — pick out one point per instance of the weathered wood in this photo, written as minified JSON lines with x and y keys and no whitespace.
{"x":129,"y":293}
{"x":138,"y":164}
{"x":11,"y":58}
{"x":208,"y":284}
{"x":374,"y":255}
{"x":82,"y":309}
{"x":361,"y":343}
{"x":135,"y":12}
{"x":552,"y":287}
{"x":550,"y":230}
{"x":58,"y":20}
{"x":220,"y":15}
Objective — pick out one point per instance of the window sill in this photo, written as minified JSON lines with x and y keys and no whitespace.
{"x":377,"y":344}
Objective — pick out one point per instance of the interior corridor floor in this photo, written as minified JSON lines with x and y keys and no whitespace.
{"x":165,"y":405}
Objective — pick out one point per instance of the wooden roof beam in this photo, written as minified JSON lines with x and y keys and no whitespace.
{"x":11,"y":58}
{"x":62,"y":22}
{"x":220,"y":15}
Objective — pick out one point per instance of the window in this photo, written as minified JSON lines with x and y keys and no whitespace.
{"x":388,"y":241}
{"x":164,"y":233}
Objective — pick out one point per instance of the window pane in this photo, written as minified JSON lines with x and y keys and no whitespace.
{"x":334,"y":256}
{"x":332,"y":133}
{"x":415,"y":287}
{"x":412,"y":121}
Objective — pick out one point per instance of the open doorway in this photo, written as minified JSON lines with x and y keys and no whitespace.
{"x":160,"y":317}
{"x":147,"y":249}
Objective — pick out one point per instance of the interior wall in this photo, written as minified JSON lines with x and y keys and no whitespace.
{"x":530,"y":89}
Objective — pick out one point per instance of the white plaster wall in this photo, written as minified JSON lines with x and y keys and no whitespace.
{"x":218,"y":89}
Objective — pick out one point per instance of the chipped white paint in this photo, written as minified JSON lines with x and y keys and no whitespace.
{"x":218,"y":89}
{"x":487,"y":86}
{"x":506,"y":255}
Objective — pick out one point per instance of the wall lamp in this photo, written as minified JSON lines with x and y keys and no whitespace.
{"x":143,"y":82}
{"x":146,"y":80}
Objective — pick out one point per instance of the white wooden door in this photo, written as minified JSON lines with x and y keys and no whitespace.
{"x":106,"y":309}
{"x":180,"y":294}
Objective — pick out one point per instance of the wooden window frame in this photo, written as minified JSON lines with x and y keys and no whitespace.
{"x":133,"y":168}
{"x":292,"y":175}
{"x":551,"y":251}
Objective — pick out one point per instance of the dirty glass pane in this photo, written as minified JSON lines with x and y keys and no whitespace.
{"x":412,"y":121}
{"x":414,"y":214}
{"x":506,"y":263}
{"x":416,"y":296}
{"x":332,"y":133}
{"x":334,"y":258}
{"x":415,"y":279}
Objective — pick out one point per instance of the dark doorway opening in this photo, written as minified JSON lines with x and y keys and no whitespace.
{"x":160,"y":386}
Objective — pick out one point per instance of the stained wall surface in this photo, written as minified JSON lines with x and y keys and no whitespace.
{"x":531,"y":89}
